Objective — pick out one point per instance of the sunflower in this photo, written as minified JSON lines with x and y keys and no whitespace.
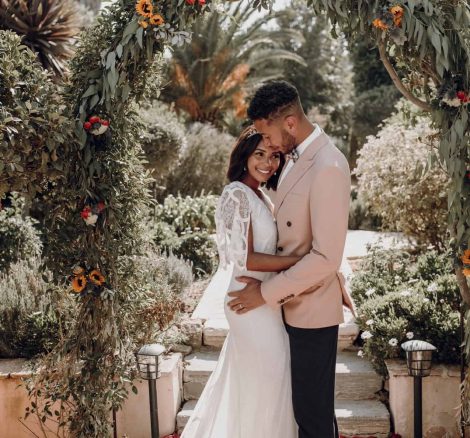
{"x":466,"y":257}
{"x":79,"y":283}
{"x":156,"y":20}
{"x":379,"y":24}
{"x":466,"y":272}
{"x":96,"y":277}
{"x":144,"y":24}
{"x":144,"y":8}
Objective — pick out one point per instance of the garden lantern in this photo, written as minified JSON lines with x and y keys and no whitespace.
{"x":148,"y":358}
{"x":418,"y":359}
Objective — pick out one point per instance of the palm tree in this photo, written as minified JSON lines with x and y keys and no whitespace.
{"x":48,"y":28}
{"x":210,"y":78}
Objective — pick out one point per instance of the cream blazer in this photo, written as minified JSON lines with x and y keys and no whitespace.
{"x":311,"y":208}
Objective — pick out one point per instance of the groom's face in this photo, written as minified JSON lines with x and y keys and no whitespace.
{"x":276,"y":135}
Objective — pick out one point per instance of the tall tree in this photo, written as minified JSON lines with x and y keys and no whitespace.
{"x":320,"y":79}
{"x":375,"y":95}
{"x":210,"y":77}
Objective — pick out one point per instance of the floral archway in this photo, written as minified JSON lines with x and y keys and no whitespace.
{"x":94,"y":224}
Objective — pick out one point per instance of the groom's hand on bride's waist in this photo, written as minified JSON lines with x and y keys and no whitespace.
{"x":248,"y":298}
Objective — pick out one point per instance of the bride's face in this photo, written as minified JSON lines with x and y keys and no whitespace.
{"x":263,"y":162}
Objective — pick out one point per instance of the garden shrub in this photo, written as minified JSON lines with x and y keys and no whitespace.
{"x":188,"y":213}
{"x":360,"y":215}
{"x":392,"y":184}
{"x":203,"y":164}
{"x":200,"y":249}
{"x":182,"y":226}
{"x":401,"y":297}
{"x":34,"y":314}
{"x":162,"y":140}
{"x":157,"y":303}
{"x":19,"y":239}
{"x":33,"y":128}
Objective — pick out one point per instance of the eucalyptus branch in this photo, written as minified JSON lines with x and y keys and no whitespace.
{"x":398,"y":83}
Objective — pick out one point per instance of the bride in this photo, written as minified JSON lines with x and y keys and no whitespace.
{"x":249,"y":393}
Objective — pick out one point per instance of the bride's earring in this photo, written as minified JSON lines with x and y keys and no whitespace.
{"x":244,"y":169}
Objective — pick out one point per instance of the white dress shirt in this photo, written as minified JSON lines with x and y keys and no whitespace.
{"x":300,"y":149}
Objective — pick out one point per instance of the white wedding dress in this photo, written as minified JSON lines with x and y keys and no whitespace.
{"x":249,"y":393}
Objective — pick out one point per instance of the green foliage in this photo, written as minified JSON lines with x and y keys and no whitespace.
{"x":47,"y":27}
{"x":399,"y":294}
{"x":202,"y":165}
{"x":113,"y":67}
{"x":200,"y":249}
{"x":163,"y":139}
{"x":371,"y":108}
{"x":34,"y":314}
{"x":33,"y":125}
{"x":188,"y":214}
{"x":19,"y":239}
{"x":392,"y":183}
{"x":210,"y":78}
{"x":183,"y":226}
{"x":324,"y":80}
{"x":360,"y":216}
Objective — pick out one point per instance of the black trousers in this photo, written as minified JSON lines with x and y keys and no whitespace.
{"x":313,"y":367}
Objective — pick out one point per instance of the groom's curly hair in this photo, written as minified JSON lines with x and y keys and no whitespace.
{"x":272,"y":99}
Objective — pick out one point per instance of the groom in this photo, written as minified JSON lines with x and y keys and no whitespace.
{"x":311,"y":211}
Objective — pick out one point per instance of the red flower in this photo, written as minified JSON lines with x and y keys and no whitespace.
{"x":463,"y":97}
{"x":85,"y":212}
{"x":202,"y":2}
{"x":105,"y":122}
{"x":94,"y":119}
{"x":87,"y":125}
{"x":190,"y":2}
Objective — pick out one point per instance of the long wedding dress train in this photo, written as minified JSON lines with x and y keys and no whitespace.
{"x":249,"y":393}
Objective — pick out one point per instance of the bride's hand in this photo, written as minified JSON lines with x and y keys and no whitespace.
{"x":248,"y":298}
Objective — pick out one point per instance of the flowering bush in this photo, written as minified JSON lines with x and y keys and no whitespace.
{"x":392,"y":182}
{"x":402,"y":297}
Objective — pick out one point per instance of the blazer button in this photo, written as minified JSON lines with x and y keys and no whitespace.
{"x":289,"y":223}
{"x":280,"y":248}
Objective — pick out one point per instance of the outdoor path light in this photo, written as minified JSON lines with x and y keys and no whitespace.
{"x":418,"y":359}
{"x":148,"y":359}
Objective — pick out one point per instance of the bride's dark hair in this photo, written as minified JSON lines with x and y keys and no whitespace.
{"x":246,"y":144}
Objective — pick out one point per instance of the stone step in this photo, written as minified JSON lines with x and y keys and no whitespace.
{"x":355,"y":377}
{"x":362,"y":418}
{"x":355,"y":418}
{"x":215,"y":330}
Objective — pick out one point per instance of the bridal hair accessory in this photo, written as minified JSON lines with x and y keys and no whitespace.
{"x":250,"y":132}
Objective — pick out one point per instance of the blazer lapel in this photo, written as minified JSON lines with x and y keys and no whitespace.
{"x":304,"y":162}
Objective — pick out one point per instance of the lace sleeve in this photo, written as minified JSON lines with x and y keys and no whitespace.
{"x":233,"y":221}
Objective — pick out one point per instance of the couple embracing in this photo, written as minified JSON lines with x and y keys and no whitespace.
{"x":284,"y":297}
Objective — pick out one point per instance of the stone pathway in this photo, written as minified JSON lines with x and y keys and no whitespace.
{"x":357,"y":408}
